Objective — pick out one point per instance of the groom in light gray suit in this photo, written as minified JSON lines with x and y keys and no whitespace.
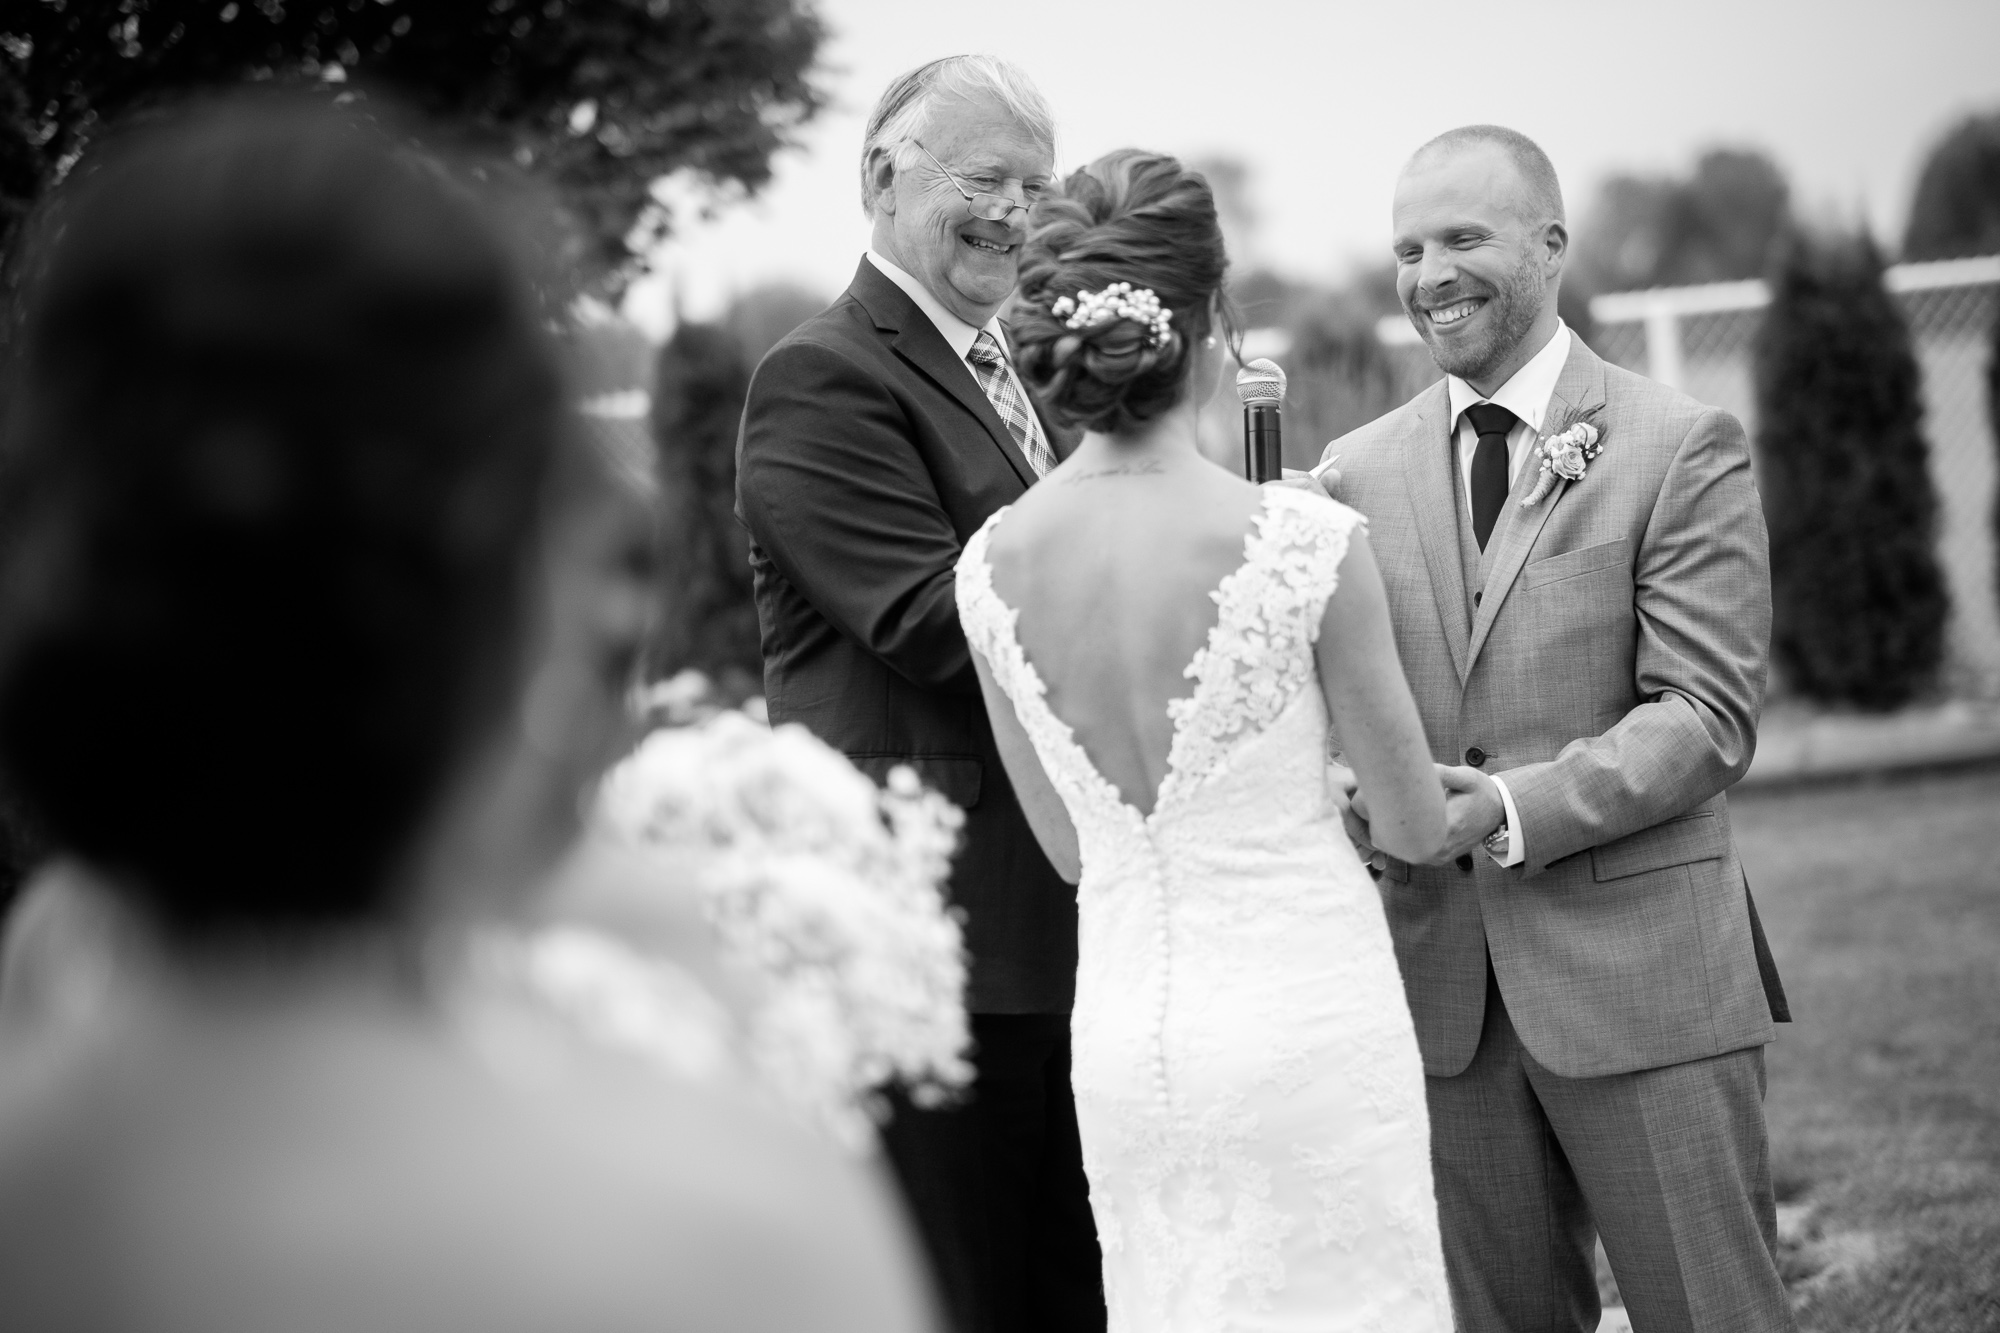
{"x":1590,"y":986}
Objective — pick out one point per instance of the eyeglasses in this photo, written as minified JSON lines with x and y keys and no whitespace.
{"x":986,"y":207}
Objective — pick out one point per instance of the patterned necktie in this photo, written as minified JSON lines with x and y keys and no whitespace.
{"x":1489,"y":466}
{"x":996,"y":378}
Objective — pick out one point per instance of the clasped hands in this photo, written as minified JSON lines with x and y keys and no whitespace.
{"x":1472,"y":804}
{"x":1472,"y":810}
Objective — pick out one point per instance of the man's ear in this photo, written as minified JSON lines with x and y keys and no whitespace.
{"x":1556,"y":237}
{"x":881,"y":175}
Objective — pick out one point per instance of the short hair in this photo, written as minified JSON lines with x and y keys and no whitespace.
{"x":904,"y":111}
{"x":280,"y":419}
{"x":1537,"y":172}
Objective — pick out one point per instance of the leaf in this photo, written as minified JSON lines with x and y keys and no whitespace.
{"x":716,"y":86}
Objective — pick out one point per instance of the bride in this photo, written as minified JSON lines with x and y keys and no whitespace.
{"x":1161,"y":645}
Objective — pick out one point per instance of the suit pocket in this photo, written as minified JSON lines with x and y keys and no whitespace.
{"x":957,"y":778}
{"x":1574,"y":564}
{"x":1682,"y":841}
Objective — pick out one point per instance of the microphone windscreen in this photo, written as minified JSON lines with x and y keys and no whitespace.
{"x":1260,"y":381}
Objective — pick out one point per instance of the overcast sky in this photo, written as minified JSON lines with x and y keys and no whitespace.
{"x":1325,"y":98}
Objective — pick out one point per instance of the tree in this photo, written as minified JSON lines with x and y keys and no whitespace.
{"x":1860,"y":603}
{"x":1340,"y":376}
{"x":1229,"y":180}
{"x":1993,"y":420}
{"x":762,"y":315}
{"x":1956,"y":210}
{"x":599,"y":97}
{"x":1723,"y":222}
{"x":711,"y":625}
{"x":700,"y":380}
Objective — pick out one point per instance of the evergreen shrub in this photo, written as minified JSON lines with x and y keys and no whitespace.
{"x":1993,"y":423}
{"x":1859,"y":599}
{"x":1956,"y":210}
{"x":710,"y":621}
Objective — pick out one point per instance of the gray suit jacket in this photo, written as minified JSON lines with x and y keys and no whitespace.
{"x":1607,"y":654}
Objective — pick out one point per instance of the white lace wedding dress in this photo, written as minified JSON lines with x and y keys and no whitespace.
{"x":1246,"y":1072}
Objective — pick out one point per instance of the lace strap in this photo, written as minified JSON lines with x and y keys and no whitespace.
{"x":1259,"y":654}
{"x":980,"y":612}
{"x":1307,"y":537}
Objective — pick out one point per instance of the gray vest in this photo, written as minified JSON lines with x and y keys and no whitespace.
{"x":1477,"y":564}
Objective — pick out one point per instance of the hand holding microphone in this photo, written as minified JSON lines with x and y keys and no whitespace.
{"x":1260,"y":387}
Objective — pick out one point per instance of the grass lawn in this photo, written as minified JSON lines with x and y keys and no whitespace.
{"x":1883,"y":906}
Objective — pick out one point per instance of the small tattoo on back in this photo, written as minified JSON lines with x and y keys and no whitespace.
{"x":1150,"y":467}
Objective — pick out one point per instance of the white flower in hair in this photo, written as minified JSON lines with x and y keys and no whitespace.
{"x":1121,"y":300}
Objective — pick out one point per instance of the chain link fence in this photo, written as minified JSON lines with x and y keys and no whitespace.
{"x":1700,"y":339}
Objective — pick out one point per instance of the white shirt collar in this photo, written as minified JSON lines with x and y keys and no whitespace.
{"x":956,"y":331}
{"x":1527,"y":393}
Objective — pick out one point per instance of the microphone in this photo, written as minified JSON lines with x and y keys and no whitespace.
{"x":1260,"y":386}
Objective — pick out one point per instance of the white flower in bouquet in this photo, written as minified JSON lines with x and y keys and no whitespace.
{"x":826,"y":890}
{"x":618,"y":995}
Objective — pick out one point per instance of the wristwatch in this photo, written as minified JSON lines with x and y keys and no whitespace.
{"x":1496,"y":842}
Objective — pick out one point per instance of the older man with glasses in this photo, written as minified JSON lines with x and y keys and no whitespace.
{"x":877,"y":438}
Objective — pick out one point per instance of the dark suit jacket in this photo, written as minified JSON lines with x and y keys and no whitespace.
{"x":868,"y":456}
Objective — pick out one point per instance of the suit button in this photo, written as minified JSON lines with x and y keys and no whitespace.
{"x":1465,"y":863}
{"x":1476,"y":596}
{"x":1475,"y":756}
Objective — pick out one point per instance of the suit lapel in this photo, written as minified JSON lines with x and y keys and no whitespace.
{"x":1579,"y":389}
{"x":918,"y":342}
{"x":1427,"y":478}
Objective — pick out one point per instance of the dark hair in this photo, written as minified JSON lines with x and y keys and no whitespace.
{"x":1134,"y":217}
{"x":280,"y":416}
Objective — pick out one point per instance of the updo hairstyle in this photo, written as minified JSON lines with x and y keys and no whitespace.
{"x":277,"y":426}
{"x":1134,"y":217}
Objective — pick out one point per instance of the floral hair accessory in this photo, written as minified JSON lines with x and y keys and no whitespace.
{"x":1565,"y":455}
{"x":1121,"y":300}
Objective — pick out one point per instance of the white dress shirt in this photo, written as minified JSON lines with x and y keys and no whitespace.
{"x":959,"y":334}
{"x":1526,"y":394}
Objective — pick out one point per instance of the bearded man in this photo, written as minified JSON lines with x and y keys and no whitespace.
{"x":877,"y":438}
{"x":1578,"y":574}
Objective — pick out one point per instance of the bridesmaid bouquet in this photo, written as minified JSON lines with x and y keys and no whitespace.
{"x":825,"y":891}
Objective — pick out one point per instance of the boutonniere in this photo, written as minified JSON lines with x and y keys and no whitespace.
{"x":1566,"y":456}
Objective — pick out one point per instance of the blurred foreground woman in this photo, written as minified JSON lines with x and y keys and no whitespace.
{"x":308,"y":643}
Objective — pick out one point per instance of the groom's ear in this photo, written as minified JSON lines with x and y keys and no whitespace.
{"x":1555,"y":240}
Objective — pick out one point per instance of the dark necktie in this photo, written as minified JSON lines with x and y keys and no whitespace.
{"x":1489,"y":466}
